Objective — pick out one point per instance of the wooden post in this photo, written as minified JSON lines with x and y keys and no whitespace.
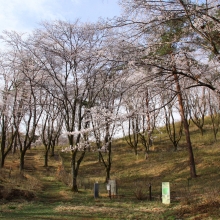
{"x":150,"y":194}
{"x":96,"y":190}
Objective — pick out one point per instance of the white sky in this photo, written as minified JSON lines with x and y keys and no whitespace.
{"x":25,"y":15}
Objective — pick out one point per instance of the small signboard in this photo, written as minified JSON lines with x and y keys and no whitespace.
{"x":166,"y":193}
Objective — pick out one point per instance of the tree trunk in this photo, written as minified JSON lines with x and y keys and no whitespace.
{"x":186,"y":127}
{"x":46,"y":157}
{"x":75,"y":169}
{"x":201,"y":130}
{"x":14,"y":146}
{"x":3,"y":144}
{"x":2,"y":155}
{"x":149,"y":129}
{"x":74,"y":186}
{"x":74,"y":173}
{"x":135,"y":148}
{"x":21,"y":167}
{"x":2,"y":160}
{"x":53,"y":147}
{"x":108,"y":168}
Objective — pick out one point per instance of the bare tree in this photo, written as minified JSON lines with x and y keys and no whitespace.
{"x":152,"y":113}
{"x":140,"y":103}
{"x":52,"y":124}
{"x":174,"y":129}
{"x":197,"y":106}
{"x":131,"y":128}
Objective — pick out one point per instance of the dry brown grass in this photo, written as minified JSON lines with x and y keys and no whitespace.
{"x":190,"y":198}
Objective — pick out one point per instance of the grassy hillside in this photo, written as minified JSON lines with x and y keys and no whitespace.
{"x":43,"y":193}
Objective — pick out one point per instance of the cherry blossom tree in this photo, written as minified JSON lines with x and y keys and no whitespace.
{"x":71,"y":55}
{"x":27,"y":74}
{"x":8,"y":133}
{"x":105,"y":117}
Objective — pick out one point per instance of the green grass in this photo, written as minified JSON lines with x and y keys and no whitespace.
{"x":197,"y":198}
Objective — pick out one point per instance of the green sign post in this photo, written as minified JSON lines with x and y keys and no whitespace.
{"x":166,"y":193}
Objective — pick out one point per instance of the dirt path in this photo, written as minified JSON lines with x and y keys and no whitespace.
{"x":52,"y":190}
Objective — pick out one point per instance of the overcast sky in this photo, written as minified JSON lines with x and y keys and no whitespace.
{"x":25,"y":15}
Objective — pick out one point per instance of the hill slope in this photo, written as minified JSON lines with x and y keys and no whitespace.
{"x":41,"y":193}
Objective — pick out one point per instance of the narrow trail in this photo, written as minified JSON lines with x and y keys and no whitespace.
{"x":52,"y":190}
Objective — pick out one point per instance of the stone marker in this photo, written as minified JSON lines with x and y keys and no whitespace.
{"x":96,"y":190}
{"x":113,"y":187}
{"x":166,"y":193}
